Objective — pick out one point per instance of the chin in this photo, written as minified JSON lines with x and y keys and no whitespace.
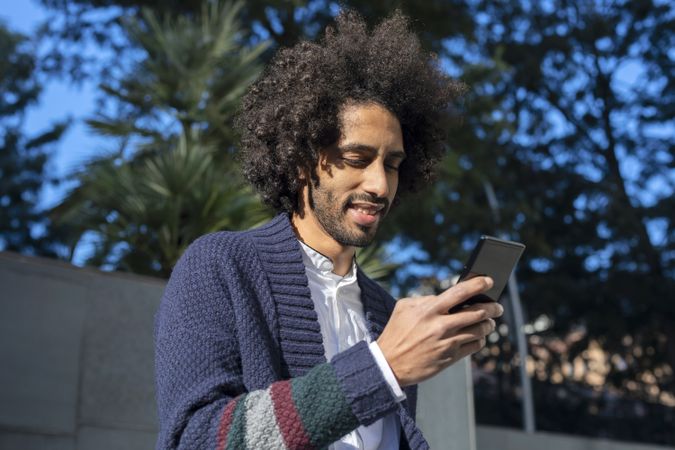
{"x":358,"y":236}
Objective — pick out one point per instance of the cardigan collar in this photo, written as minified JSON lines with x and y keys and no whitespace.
{"x":299,"y":331}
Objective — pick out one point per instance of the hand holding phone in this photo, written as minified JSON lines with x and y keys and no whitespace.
{"x":495,"y":258}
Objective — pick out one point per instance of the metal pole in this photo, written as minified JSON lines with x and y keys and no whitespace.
{"x":518,"y":322}
{"x":528,"y":402}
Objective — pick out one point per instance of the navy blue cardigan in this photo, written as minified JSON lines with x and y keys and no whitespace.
{"x":239,"y":355}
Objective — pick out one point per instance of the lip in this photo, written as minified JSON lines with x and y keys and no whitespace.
{"x":363,"y":218}
{"x":378,"y":207}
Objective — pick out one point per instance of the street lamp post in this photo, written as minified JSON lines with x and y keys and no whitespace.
{"x":518,"y":322}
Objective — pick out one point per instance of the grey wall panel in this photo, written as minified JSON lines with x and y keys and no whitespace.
{"x":117,"y":363}
{"x":31,"y":441}
{"x":445,"y":409}
{"x":76,"y":348}
{"x":94,"y":438}
{"x":41,"y":322}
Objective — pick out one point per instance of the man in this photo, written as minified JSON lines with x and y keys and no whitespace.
{"x":273,"y":338}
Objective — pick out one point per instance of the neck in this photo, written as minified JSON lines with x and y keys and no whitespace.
{"x":309,"y":231}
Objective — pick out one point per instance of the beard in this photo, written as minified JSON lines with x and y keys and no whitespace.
{"x":331,"y":215}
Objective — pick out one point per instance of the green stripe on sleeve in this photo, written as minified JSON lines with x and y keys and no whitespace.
{"x":322,"y":406}
{"x":236,"y":436}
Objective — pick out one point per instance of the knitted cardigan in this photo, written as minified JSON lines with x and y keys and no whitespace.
{"x":239,"y":356}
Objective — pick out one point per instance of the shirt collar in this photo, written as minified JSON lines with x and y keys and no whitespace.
{"x":322,"y":263}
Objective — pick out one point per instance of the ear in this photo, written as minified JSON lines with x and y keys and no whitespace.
{"x":302,"y":174}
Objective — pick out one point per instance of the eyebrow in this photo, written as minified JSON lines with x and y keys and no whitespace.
{"x":363,"y":147}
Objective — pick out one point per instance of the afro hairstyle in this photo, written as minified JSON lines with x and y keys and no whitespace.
{"x":292,"y":111}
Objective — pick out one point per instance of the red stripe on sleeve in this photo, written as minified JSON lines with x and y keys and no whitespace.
{"x":225,"y":422}
{"x":288,"y":418}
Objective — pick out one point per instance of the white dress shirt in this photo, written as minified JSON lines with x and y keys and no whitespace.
{"x":337,"y":301}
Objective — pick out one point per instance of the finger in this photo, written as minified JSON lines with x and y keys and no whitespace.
{"x":492,"y":309}
{"x":464,"y":350}
{"x":461,"y":292}
{"x":476,"y":331}
{"x":471,"y":315}
{"x":463,"y":319}
{"x":472,"y":332}
{"x":472,"y":347}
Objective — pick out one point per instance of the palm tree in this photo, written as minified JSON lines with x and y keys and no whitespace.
{"x":173,"y":177}
{"x":148,"y":210}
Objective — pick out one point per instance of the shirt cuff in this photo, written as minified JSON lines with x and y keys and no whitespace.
{"x":389,"y":376}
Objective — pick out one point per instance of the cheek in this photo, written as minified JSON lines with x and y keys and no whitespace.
{"x":334,"y":189}
{"x":393,"y":185}
{"x":345,"y":184}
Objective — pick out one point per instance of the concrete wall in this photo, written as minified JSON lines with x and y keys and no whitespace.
{"x":77,"y":357}
{"x":445,"y":411}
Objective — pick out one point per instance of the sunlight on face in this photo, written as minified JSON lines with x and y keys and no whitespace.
{"x":358,"y":176}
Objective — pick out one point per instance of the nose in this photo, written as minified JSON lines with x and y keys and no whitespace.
{"x":375,"y":180}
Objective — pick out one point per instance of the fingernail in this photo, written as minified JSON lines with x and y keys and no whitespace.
{"x":490,"y":282}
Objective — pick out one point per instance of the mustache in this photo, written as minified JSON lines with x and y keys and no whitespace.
{"x":368,"y":198}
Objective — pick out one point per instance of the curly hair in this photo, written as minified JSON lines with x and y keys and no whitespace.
{"x":292,"y":111}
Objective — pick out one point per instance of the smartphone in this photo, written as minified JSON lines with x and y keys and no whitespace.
{"x":495,"y":258}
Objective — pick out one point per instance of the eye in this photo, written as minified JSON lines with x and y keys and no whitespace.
{"x":356,"y":162}
{"x":392,"y":166}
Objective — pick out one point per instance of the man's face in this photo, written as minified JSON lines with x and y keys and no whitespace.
{"x":358,"y":176}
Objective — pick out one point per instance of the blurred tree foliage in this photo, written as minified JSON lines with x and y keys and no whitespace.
{"x":585,"y":176}
{"x":570,"y":120}
{"x":23,"y":158}
{"x":574,"y":129}
{"x":172,"y":177}
{"x":282,"y":22}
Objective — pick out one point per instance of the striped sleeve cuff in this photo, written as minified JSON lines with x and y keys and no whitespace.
{"x":307,"y":412}
{"x":389,"y":376}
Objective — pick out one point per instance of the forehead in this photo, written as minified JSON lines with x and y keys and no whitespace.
{"x":370,"y":124}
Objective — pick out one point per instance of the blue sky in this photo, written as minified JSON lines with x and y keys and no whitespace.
{"x":59,"y":100}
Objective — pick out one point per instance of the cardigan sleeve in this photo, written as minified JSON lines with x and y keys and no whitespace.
{"x":202,"y":398}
